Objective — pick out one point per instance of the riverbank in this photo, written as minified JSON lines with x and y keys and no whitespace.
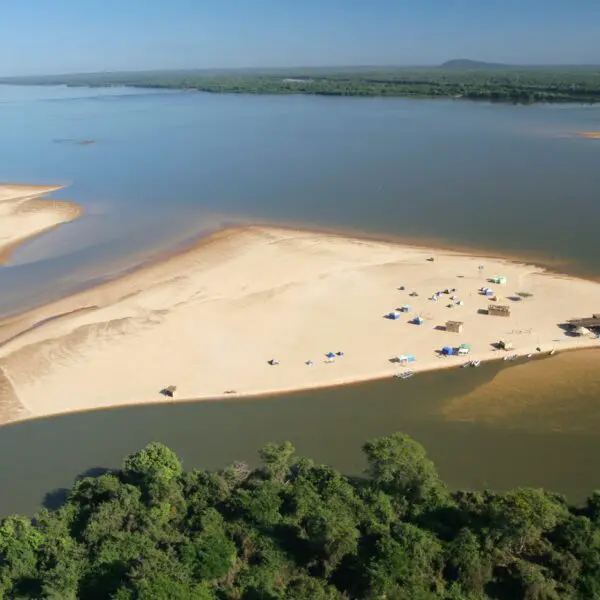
{"x":25,"y":214}
{"x":208,"y":320}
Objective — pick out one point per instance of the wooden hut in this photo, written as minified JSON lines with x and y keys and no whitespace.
{"x":454,"y":326}
{"x":499,"y":310}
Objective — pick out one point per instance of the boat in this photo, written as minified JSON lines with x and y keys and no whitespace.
{"x":551,"y":352}
{"x":404,"y":375}
{"x":529,"y":355}
{"x":475,"y":363}
{"x":465,"y":365}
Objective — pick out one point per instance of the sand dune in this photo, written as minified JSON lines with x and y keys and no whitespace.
{"x":209,"y":319}
{"x":24,"y":215}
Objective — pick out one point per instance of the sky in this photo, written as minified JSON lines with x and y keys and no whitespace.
{"x":75,"y":36}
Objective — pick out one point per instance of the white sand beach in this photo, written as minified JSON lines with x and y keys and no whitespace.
{"x":209,"y":319}
{"x":24,"y":214}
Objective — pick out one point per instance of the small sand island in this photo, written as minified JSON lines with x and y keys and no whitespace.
{"x":590,"y":135}
{"x":24,"y":214}
{"x":258,"y":309}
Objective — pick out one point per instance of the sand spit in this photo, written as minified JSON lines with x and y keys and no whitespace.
{"x":590,"y":135}
{"x":209,"y":319}
{"x":24,"y":215}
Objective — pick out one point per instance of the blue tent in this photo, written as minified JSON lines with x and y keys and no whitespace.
{"x":447,"y":351}
{"x":330,"y":355}
{"x":393,"y":315}
{"x":418,"y":321}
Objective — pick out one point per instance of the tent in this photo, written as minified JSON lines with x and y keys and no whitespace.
{"x":330,"y":355}
{"x":500,"y":279}
{"x":417,"y":321}
{"x":447,"y":351}
{"x":464,"y":349}
{"x":582,"y":331}
{"x":405,"y":308}
{"x":393,"y":315}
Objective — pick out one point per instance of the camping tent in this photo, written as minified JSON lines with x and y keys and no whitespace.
{"x":582,"y":331}
{"x":393,"y":315}
{"x":447,"y":351}
{"x":418,"y":321}
{"x":464,"y":349}
{"x":500,"y":279}
{"x":330,"y":355}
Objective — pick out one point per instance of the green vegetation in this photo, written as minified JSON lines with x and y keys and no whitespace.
{"x":296,"y":530}
{"x":455,"y":79}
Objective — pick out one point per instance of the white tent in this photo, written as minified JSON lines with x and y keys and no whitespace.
{"x":582,"y":331}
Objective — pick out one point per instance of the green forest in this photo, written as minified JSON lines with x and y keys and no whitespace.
{"x":521,"y":85}
{"x":294,"y":529}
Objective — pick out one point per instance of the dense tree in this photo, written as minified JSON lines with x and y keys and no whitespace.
{"x":296,"y":530}
{"x":514,"y":85}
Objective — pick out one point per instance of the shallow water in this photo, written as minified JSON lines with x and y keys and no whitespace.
{"x":169,"y":165}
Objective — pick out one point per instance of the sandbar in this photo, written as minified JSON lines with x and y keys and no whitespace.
{"x":209,"y":319}
{"x":24,"y":214}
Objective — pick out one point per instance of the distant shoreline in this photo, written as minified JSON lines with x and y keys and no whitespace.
{"x":471,"y":81}
{"x":209,"y":318}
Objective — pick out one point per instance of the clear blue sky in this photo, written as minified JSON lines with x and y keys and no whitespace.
{"x":61,"y":36}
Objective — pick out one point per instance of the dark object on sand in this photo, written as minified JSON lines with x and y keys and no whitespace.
{"x":169,"y":391}
{"x":273,"y":362}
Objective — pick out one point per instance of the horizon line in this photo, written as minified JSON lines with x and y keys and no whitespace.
{"x":482,"y":65}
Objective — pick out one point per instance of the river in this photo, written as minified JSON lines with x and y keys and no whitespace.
{"x":167,"y":166}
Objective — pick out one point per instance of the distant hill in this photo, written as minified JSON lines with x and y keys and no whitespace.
{"x":465,"y":63}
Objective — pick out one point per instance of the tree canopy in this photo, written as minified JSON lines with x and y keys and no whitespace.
{"x":292,"y":529}
{"x":470,"y":80}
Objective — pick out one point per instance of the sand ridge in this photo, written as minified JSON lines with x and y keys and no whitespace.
{"x":24,"y":214}
{"x":209,"y":319}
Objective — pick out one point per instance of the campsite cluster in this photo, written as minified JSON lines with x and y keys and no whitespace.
{"x":497,"y":306}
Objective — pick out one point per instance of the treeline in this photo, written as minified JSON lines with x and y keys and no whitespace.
{"x":516,"y":85}
{"x":296,"y":530}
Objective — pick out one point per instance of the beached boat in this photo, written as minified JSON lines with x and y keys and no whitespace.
{"x":404,"y":375}
{"x":475,"y":363}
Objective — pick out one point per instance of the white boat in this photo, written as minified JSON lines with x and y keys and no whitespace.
{"x":475,"y":363}
{"x":529,"y":355}
{"x":552,"y":352}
